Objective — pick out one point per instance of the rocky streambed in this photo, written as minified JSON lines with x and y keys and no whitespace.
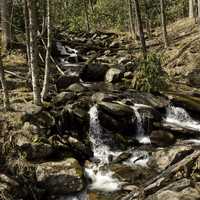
{"x":99,"y":139}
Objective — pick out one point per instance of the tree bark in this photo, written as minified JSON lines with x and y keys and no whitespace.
{"x":163,"y":22}
{"x":198,"y":8}
{"x":5,"y":25}
{"x":27,"y":30}
{"x":140,"y":28}
{"x":86,"y":16}
{"x":31,"y":4}
{"x":48,"y":49}
{"x":4,"y":85}
{"x":131,"y":19}
{"x":191,"y":8}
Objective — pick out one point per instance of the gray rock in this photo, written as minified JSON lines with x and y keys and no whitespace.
{"x":76,"y":87}
{"x":113,"y":75}
{"x":61,"y":177}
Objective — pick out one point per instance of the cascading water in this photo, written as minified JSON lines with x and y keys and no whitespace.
{"x":66,"y":52}
{"x":177,"y":116}
{"x":102,"y":179}
{"x":140,"y":130}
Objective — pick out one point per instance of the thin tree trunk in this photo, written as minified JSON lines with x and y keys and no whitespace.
{"x":31,"y":4}
{"x":27,"y":30}
{"x":191,"y":8}
{"x":148,"y":19}
{"x":4,"y":86}
{"x":198,"y":10}
{"x":5,"y":25}
{"x":140,"y":28}
{"x":47,"y":59}
{"x":163,"y":22}
{"x":131,"y":19}
{"x":86,"y":16}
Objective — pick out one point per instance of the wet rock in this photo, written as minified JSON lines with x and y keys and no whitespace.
{"x":186,"y":101}
{"x":65,"y":81}
{"x":60,"y":177}
{"x":76,"y":87}
{"x":93,"y":72}
{"x":162,"y":138}
{"x":116,"y":109}
{"x":113,"y":75}
{"x":122,"y":157}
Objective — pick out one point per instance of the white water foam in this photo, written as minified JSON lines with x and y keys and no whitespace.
{"x":140,"y":130}
{"x":102,"y":180}
{"x":177,"y":116}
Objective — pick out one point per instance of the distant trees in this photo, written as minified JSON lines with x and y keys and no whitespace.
{"x":140,"y":27}
{"x":163,"y":22}
{"x":4,"y":85}
{"x":5,"y":25}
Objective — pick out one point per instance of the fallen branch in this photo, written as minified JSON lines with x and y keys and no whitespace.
{"x":14,"y":74}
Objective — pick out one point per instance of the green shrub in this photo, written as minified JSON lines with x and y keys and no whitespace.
{"x":150,"y":76}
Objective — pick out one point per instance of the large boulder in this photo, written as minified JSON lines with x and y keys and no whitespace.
{"x":162,"y":138}
{"x":65,"y":81}
{"x":60,"y":177}
{"x":116,"y":109}
{"x":113,"y":75}
{"x":93,"y":72}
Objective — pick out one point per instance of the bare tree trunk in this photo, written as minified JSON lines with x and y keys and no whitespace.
{"x":86,"y":16}
{"x":47,"y":59}
{"x":27,"y":30}
{"x":140,"y":28}
{"x":4,"y":86}
{"x":31,"y":4}
{"x":131,"y":19}
{"x":5,"y":25}
{"x":198,"y":7}
{"x":148,"y":19}
{"x":163,"y":22}
{"x":191,"y":8}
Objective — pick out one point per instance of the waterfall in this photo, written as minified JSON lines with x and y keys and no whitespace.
{"x":102,"y":179}
{"x":177,"y":116}
{"x":140,"y":130}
